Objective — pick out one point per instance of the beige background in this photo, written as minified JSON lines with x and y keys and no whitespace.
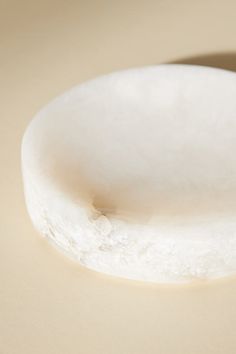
{"x":49,"y":304}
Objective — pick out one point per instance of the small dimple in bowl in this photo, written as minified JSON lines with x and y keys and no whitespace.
{"x":134,"y":173}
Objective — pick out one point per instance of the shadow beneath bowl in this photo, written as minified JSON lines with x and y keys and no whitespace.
{"x":218,"y":60}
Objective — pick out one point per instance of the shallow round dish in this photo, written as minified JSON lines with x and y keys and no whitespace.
{"x":134,"y":173}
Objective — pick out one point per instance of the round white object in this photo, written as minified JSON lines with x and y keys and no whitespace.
{"x":134,"y":173}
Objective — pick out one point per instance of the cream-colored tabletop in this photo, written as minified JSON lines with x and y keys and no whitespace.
{"x":51,"y":305}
